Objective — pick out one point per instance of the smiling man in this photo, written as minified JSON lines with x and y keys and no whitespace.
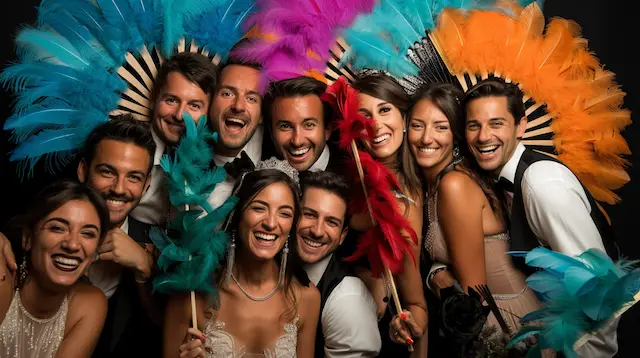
{"x":348,"y":324}
{"x":545,"y":201}
{"x":298,"y":122}
{"x":185,"y":83}
{"x":116,"y":161}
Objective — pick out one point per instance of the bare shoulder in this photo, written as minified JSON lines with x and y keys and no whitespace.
{"x":86,"y":302}
{"x":457,"y":185}
{"x":310,"y":294}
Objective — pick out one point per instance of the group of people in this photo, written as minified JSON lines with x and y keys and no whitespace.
{"x":77,"y":267}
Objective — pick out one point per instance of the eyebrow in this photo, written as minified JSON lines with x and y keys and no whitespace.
{"x":382,"y":104}
{"x":497,"y":119}
{"x":140,"y":172}
{"x":267,"y":204}
{"x":234,"y":89}
{"x":329,"y":217}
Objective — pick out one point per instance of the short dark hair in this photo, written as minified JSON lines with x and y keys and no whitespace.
{"x":497,"y":87}
{"x":329,"y":181}
{"x":195,"y":67}
{"x":295,"y":87}
{"x":123,"y":128}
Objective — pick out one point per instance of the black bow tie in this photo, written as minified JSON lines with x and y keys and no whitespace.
{"x":239,"y":165}
{"x":505,"y":184}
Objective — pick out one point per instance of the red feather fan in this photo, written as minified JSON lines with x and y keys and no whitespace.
{"x":385,"y":244}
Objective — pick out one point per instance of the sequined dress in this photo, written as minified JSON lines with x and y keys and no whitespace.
{"x":506,"y":282}
{"x":24,"y":336}
{"x":220,"y":344}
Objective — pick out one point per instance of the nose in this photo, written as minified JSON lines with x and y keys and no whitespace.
{"x":178,"y":113}
{"x":238,"y":105}
{"x":270,"y":222}
{"x":297,"y":139}
{"x":484,"y":135}
{"x":318,"y":229}
{"x":71,"y":243}
{"x":427,"y":137}
{"x":118,"y":186}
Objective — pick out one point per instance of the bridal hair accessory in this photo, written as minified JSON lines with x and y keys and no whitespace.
{"x":272,"y":163}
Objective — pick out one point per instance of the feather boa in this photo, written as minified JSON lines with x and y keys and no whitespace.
{"x":579,"y":294}
{"x":294,"y":37}
{"x":188,"y":262}
{"x":386,"y":243}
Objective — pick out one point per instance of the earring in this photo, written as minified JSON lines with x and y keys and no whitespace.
{"x":456,"y":154}
{"x":231,"y":253}
{"x":23,"y":269}
{"x":283,"y":262}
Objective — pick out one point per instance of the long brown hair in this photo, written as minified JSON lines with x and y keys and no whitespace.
{"x":447,"y":98}
{"x":388,"y":89}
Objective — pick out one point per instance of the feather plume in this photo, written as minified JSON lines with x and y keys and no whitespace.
{"x":297,"y":35}
{"x":579,"y":295}
{"x":391,"y":238}
{"x":177,"y":14}
{"x":188,"y":262}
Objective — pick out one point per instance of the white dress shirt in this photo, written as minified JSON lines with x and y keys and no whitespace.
{"x":154,"y":205}
{"x":349,"y":321}
{"x":556,"y":205}
{"x":106,"y":275}
{"x":322,"y":162}
{"x":223,"y":190}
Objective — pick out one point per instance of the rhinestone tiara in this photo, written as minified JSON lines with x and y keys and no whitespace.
{"x":281,"y":165}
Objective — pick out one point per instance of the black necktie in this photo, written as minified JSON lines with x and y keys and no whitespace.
{"x":239,"y":165}
{"x":505,"y":184}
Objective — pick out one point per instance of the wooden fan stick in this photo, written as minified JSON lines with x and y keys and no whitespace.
{"x":388,"y":273}
{"x":194,"y":313}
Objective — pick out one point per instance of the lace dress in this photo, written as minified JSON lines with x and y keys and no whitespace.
{"x":221,"y":344}
{"x":506,"y":282}
{"x":24,"y":336}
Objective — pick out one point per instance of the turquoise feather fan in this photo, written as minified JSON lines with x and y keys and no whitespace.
{"x":187,"y":262}
{"x":579,"y":295}
{"x":88,"y":59}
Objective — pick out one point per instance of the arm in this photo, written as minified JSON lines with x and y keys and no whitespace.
{"x":460,"y":204}
{"x":7,"y":254}
{"x":6,"y":287}
{"x":349,"y":322}
{"x":85,"y":317}
{"x":309,"y":313}
{"x":441,"y":279}
{"x":177,"y":320}
{"x":558,"y":210}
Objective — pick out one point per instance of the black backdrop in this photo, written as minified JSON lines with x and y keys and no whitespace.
{"x":611,"y":34}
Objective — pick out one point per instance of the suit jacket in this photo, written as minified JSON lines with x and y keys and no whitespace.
{"x":128,"y":331}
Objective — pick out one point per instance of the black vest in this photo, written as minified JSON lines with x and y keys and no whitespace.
{"x":333,"y":275}
{"x":523,"y":238}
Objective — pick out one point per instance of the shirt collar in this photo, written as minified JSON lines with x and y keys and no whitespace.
{"x":322,"y":162}
{"x":253,"y":148}
{"x":160,"y":146}
{"x":509,"y":170}
{"x":316,"y":271}
{"x":125,"y":225}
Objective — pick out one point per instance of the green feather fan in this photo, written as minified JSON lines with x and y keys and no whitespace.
{"x":187,"y":261}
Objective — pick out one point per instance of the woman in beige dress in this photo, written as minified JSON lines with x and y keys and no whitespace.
{"x":466,"y":223}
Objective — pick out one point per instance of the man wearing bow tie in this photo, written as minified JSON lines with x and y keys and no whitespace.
{"x":546,"y":203}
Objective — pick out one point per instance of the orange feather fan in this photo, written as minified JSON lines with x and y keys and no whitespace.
{"x":553,"y":68}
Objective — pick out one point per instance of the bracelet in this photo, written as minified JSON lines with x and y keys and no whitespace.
{"x":435,"y":272}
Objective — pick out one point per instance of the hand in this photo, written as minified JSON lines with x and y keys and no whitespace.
{"x":193,"y":345}
{"x":442,"y":280}
{"x":9,"y":258}
{"x":123,"y":250}
{"x":403,"y":329}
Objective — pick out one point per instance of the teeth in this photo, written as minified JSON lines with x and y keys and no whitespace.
{"x":263,"y":236}
{"x":381,"y":138}
{"x":488,"y":148}
{"x":300,"y":151}
{"x":67,"y":261}
{"x":236,"y":120}
{"x":312,"y":243}
{"x":428,"y":150}
{"x":115,"y":202}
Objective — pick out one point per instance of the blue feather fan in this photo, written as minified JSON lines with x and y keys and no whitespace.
{"x":579,"y":295}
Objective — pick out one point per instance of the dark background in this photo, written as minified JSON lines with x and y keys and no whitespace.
{"x":606,"y":24}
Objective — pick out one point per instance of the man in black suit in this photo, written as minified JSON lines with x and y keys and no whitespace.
{"x":116,"y":160}
{"x":298,"y":123}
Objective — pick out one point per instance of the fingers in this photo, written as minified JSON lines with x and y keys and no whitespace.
{"x":410,"y":323}
{"x":106,"y":247}
{"x":8,"y":253}
{"x":399,"y":331}
{"x":194,"y":346}
{"x":108,"y":256}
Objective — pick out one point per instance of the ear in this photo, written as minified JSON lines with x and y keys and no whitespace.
{"x":260,"y":120}
{"x":26,"y":240}
{"x":147,"y":183}
{"x":522,"y":127}
{"x":344,"y":234}
{"x":83,"y":168}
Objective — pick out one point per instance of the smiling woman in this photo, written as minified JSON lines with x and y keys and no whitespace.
{"x":45,"y":311}
{"x":266,"y":306}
